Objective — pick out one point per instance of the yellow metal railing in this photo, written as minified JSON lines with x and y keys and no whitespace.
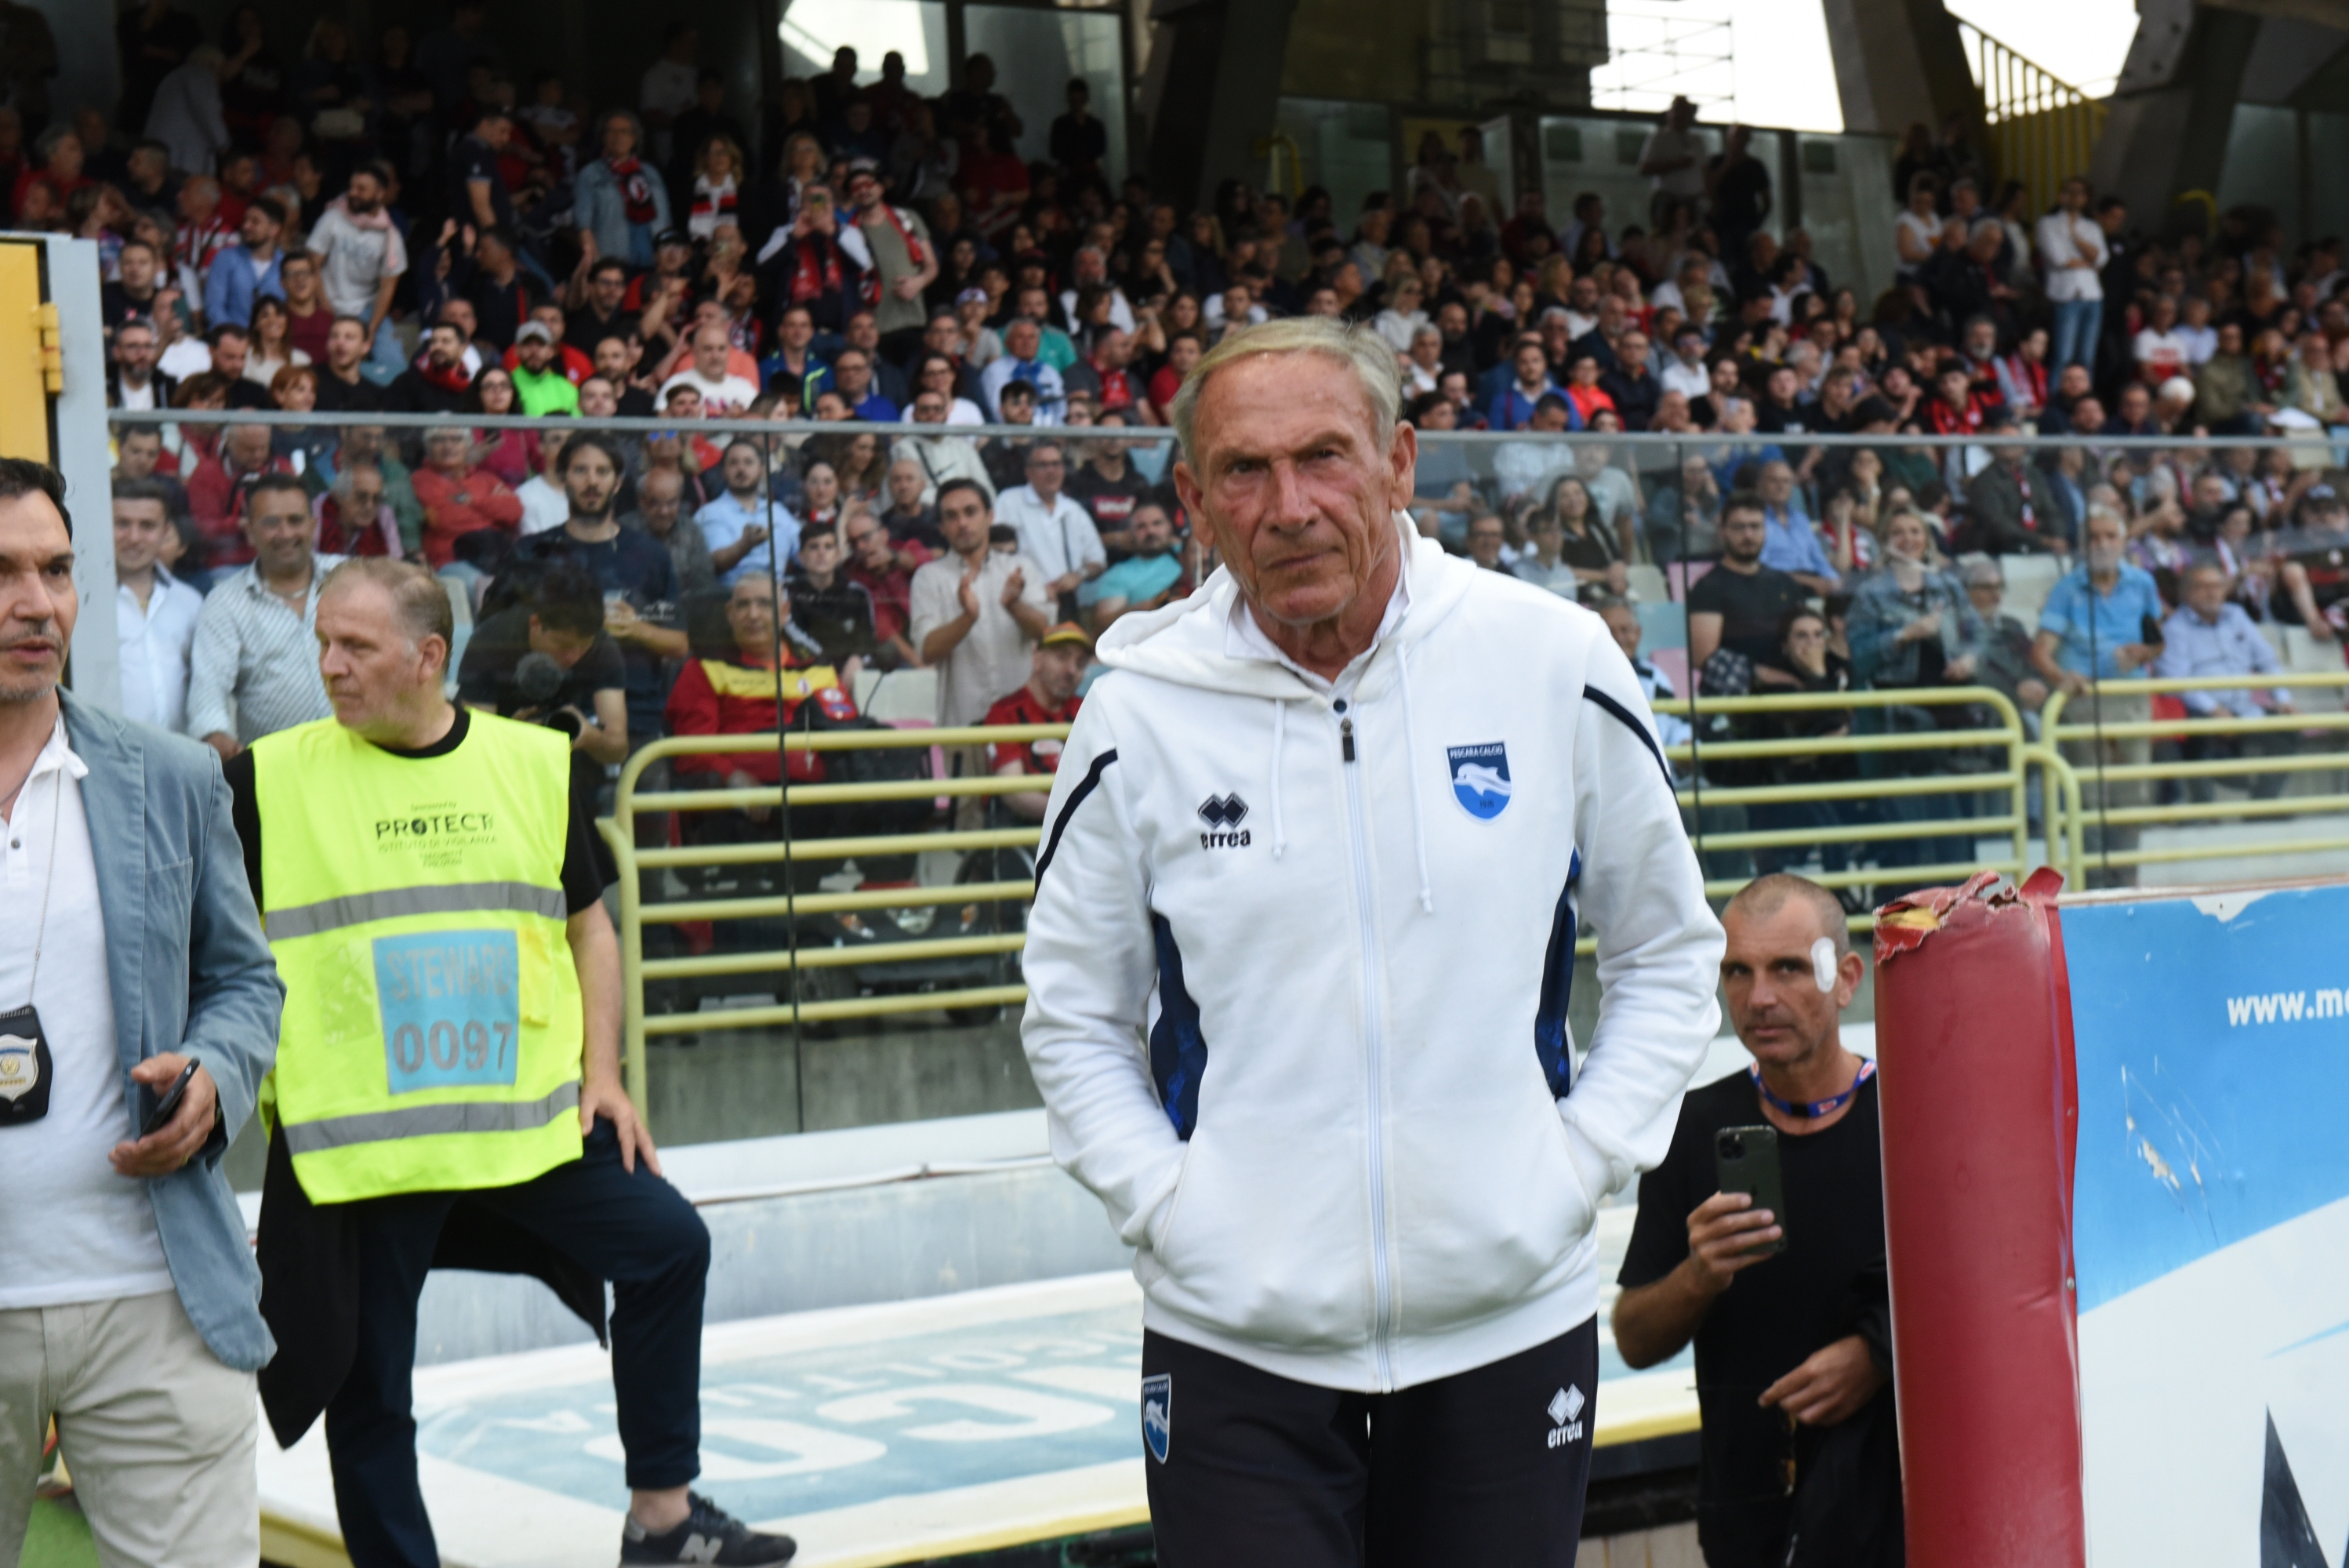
{"x":2000,"y":730}
{"x":2323,"y":747}
{"x":2006,"y":738}
{"x":2042,"y":130}
{"x":631,"y":801}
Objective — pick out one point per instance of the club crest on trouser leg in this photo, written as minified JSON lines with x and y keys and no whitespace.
{"x":1158,"y":1414}
{"x":1480,"y":779}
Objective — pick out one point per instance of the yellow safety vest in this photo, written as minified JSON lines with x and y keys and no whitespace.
{"x":432,"y":1030}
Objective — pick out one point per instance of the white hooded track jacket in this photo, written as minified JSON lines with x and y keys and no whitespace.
{"x":1297,"y":973}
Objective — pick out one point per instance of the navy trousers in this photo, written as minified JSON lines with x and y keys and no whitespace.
{"x":1248,"y":1470}
{"x":634,"y":1229}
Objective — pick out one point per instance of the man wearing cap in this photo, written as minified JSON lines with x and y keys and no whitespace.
{"x":894,"y":247}
{"x":540,"y":386}
{"x":1049,"y":698}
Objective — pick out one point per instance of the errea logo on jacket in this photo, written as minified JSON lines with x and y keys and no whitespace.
{"x":1222,"y":814}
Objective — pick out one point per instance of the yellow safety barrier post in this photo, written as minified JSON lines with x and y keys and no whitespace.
{"x":2322,"y":737}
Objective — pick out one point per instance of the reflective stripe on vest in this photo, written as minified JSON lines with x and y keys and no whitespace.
{"x":429,"y":1122}
{"x":334,"y":914}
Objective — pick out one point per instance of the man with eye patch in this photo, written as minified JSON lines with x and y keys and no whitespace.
{"x":1794,"y":1347}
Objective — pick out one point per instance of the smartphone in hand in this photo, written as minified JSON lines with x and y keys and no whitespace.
{"x":1745,"y":1160}
{"x":169,"y":1106}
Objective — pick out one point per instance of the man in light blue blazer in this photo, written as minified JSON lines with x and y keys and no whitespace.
{"x":139,"y":1009}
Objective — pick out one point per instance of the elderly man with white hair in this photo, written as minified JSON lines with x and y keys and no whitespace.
{"x":1298,"y":968}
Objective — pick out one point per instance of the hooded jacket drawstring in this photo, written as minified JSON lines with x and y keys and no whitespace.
{"x":1410,"y":771}
{"x":1279,"y":735}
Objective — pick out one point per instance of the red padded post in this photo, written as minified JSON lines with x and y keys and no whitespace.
{"x":1981,"y":1109}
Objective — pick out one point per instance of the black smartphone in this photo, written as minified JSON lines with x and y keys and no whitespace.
{"x":1745,"y":1160}
{"x":169,"y":1106}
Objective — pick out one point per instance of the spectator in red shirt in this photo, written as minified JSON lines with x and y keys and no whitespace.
{"x":308,"y":316}
{"x":60,"y":153}
{"x":1121,"y":391}
{"x":1955,"y":408}
{"x":1582,"y":388}
{"x":457,"y":498}
{"x":1182,"y":351}
{"x":217,"y":492}
{"x":885,"y":570}
{"x":736,"y":695}
{"x":1049,"y":698}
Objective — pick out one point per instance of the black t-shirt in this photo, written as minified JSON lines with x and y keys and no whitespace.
{"x":1751,"y":606}
{"x":1741,"y":195}
{"x":582,"y":881}
{"x":639,"y":568}
{"x":360,"y":397}
{"x":585,"y":328}
{"x":1110,"y":501}
{"x":920,"y":526}
{"x":1826,"y":1284}
{"x":486,"y":678}
{"x":471,"y":159}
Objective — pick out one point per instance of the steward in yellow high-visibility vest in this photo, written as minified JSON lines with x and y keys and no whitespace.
{"x":449,"y":1060}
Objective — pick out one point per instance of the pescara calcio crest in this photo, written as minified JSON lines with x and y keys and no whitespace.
{"x":1480,"y":779}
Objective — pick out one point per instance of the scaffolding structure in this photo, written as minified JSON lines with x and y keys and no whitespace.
{"x":1662,"y":49}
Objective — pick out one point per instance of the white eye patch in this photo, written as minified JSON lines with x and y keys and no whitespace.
{"x":1822,"y":963}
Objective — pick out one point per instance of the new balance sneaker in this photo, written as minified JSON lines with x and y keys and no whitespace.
{"x":709,"y":1534}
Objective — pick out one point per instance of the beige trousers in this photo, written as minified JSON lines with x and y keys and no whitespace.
{"x":157,"y":1434}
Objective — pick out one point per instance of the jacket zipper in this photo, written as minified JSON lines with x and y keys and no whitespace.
{"x":1381,"y":1290}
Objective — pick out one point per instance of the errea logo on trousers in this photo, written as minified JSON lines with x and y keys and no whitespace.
{"x":1565,"y":1410}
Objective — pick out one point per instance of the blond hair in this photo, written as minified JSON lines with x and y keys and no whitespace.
{"x":1359,"y":348}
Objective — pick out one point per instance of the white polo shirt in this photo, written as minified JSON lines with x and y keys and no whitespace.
{"x":71,"y":1229}
{"x":155,"y":641}
{"x":1059,"y":537}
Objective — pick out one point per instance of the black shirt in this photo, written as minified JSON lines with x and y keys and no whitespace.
{"x":1110,"y":501}
{"x":583,"y":883}
{"x":486,"y":678}
{"x":839,"y":618}
{"x":920,"y":526}
{"x":337,"y":396}
{"x":1751,"y":607}
{"x":585,"y":328}
{"x":1825,"y":1285}
{"x":640,"y":568}
{"x":1741,"y":198}
{"x":471,"y":159}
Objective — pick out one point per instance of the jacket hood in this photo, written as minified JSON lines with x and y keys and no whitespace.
{"x":1186,"y":642}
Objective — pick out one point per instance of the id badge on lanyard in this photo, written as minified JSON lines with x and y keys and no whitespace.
{"x":25,"y":1067}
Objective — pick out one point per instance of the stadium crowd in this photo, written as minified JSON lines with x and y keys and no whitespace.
{"x":417,"y":225}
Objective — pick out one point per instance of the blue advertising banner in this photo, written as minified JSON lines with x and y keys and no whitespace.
{"x":2211,"y":1226}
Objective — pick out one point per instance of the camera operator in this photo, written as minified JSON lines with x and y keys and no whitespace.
{"x":550,"y":662}
{"x":1794,"y":1349}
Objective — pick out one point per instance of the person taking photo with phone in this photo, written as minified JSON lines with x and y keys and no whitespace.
{"x":137,"y":1010}
{"x":1788,"y":1306}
